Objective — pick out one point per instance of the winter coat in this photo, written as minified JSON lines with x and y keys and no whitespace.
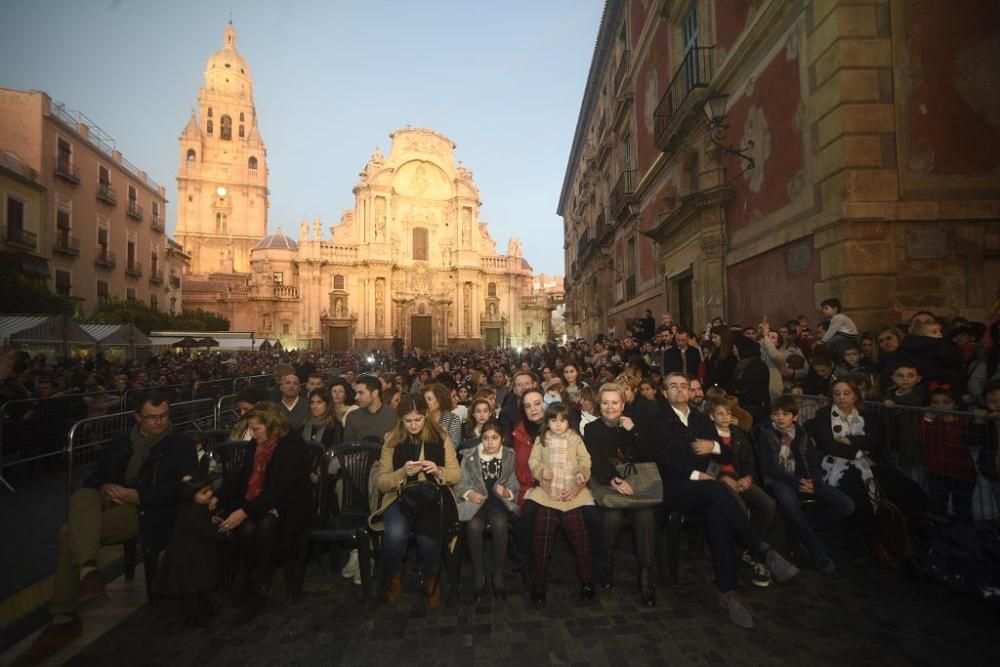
{"x":472,"y":480}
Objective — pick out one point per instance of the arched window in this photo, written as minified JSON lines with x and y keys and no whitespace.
{"x":252,"y":163}
{"x":209,"y":112}
{"x":226,"y":128}
{"x":241,"y":132}
{"x":191,"y":155}
{"x":208,"y":127}
{"x":491,"y":289}
{"x":338,"y":282}
{"x":220,"y":223}
{"x":420,"y":243}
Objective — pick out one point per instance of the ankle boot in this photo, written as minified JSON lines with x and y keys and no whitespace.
{"x":393,"y":588}
{"x":432,"y":588}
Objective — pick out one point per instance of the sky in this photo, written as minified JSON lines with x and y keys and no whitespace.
{"x":332,"y":79}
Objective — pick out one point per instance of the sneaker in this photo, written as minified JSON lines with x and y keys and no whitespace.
{"x":739,"y":612}
{"x":780,"y":568}
{"x":759,"y":574}
{"x":351,"y":570}
{"x":54,"y":638}
{"x":356,"y":578}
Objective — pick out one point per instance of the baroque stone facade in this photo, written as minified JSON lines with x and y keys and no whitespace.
{"x":411,"y":258}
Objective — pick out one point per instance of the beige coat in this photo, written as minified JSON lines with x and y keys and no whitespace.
{"x":540,"y":459}
{"x":389,"y":480}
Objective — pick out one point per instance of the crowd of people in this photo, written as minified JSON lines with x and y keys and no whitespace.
{"x":579,"y":436}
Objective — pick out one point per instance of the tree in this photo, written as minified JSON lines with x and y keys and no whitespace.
{"x":17,"y":296}
{"x":147,"y":319}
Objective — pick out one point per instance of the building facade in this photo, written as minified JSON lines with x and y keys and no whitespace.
{"x":873,"y":172}
{"x":77,"y":216}
{"x":411,"y":258}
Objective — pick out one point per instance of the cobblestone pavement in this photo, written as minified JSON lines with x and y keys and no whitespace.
{"x":858,"y":616}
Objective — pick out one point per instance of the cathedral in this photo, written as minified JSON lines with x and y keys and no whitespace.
{"x":412,"y":259}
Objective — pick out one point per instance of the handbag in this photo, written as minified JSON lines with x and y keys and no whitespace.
{"x":894,"y":531}
{"x":647,"y":487}
{"x":421,"y":494}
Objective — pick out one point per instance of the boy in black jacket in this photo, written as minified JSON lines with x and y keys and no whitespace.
{"x":790,"y":464}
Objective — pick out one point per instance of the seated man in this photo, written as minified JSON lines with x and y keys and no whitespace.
{"x":689,"y":441}
{"x":131,"y":492}
{"x":372,"y":420}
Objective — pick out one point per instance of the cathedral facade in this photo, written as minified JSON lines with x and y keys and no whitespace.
{"x":411,"y":259}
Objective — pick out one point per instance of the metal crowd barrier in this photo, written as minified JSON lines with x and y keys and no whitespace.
{"x":941,"y":450}
{"x":226,"y":411}
{"x":86,"y":437}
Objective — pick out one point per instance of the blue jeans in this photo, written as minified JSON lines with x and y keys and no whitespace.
{"x":397,"y":537}
{"x":831,"y":506}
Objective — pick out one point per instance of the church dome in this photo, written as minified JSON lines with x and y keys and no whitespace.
{"x":226,"y":68}
{"x":276,"y":241}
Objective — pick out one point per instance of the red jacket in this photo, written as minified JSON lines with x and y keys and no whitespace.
{"x":947,"y":453}
{"x":522,"y":443}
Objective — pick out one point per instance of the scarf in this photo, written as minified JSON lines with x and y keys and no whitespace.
{"x":786,"y":459}
{"x":142,"y":445}
{"x":313,"y":430}
{"x":562,"y":468}
{"x":261,"y":457}
{"x":835,"y":467}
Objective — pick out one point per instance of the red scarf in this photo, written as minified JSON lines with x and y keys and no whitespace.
{"x":262,"y":456}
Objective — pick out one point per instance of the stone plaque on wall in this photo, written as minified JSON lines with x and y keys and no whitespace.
{"x":926,"y":244}
{"x":799,"y":257}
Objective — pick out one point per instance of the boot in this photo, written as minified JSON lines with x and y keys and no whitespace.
{"x":393,"y":588}
{"x":433,"y":590}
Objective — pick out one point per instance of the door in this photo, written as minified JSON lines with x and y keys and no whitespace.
{"x":685,"y":302}
{"x":492,"y":338}
{"x":338,"y":338}
{"x":420,"y":332}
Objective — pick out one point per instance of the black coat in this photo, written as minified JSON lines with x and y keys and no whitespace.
{"x":191,"y":564}
{"x":719,"y":371}
{"x":675,"y":458}
{"x":873,"y":441}
{"x":287,"y":489}
{"x":937,"y":359}
{"x":750,"y":383}
{"x":672,"y":362}
{"x":609,"y":445}
{"x":807,"y":457}
{"x":169,"y":460}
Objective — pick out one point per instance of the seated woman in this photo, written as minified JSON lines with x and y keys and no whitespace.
{"x":267,"y":507}
{"x":417,"y":448}
{"x":438,"y":399}
{"x":852,"y":439}
{"x":614,"y":439}
{"x":572,"y":381}
{"x":322,"y":428}
{"x":487,"y":494}
{"x":522,"y":440}
{"x":342,"y":394}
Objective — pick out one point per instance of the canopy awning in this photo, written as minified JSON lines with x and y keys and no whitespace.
{"x":43,"y":329}
{"x":117,"y":334}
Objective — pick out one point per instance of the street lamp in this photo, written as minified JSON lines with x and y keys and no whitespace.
{"x":715,"y":111}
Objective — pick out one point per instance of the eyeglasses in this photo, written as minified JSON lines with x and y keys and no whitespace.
{"x":162,"y":416}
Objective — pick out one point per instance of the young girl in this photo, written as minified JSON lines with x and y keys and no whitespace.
{"x":572,"y":381}
{"x":191,"y":565}
{"x":487,"y":495}
{"x":560,"y":463}
{"x":950,"y":469}
{"x":480,"y":412}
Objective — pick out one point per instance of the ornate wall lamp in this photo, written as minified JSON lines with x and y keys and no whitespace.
{"x":715,"y":111}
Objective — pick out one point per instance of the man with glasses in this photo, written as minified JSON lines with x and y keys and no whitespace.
{"x":690,"y":443}
{"x":132,"y":492}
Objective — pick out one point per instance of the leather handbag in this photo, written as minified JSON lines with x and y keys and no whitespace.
{"x":647,"y":487}
{"x":421,"y":494}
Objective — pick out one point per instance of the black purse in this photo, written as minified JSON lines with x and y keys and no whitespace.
{"x":420,"y":495}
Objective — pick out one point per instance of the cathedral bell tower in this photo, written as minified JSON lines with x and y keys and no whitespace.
{"x":222,"y":179}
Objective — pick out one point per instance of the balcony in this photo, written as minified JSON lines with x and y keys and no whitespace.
{"x":134,"y":211}
{"x":19,"y":236}
{"x":623,"y":194}
{"x":67,"y":245}
{"x":156,"y":223}
{"x":620,"y":72}
{"x":155,"y":277}
{"x":68,"y":172}
{"x":106,"y":193}
{"x":133,"y":269}
{"x":105,"y":259}
{"x":685,"y":96}
{"x":175,"y":282}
